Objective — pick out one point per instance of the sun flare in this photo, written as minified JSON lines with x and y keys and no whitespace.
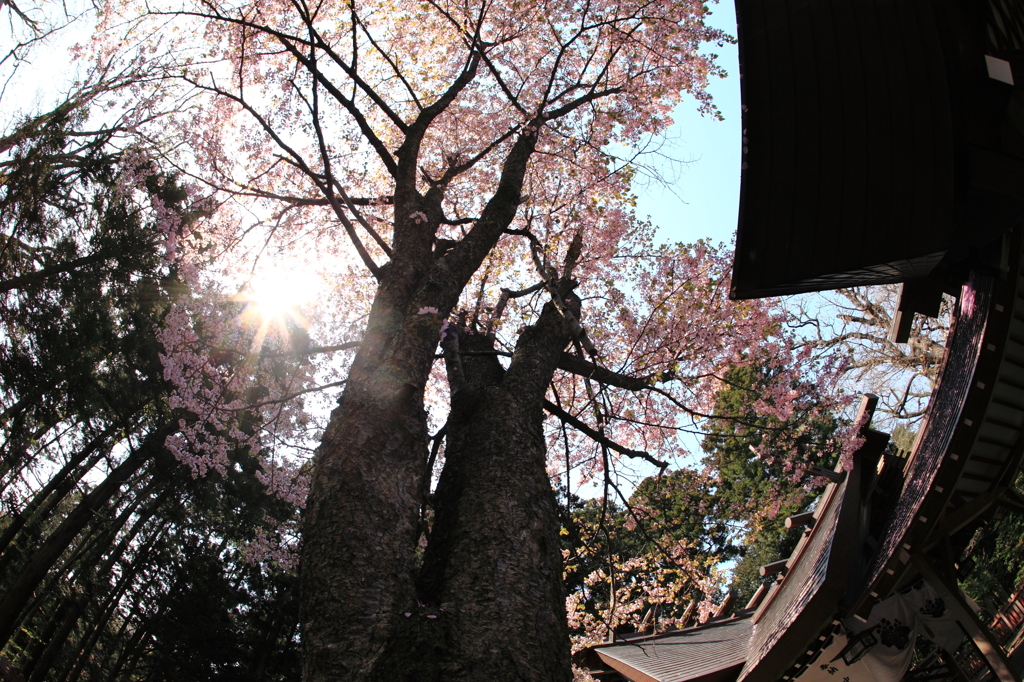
{"x":282,"y":293}
{"x":274,"y":301}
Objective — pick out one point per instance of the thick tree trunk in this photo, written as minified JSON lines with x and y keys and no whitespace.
{"x":491,"y":602}
{"x":492,"y":573}
{"x":361,"y":523}
{"x":361,"y":520}
{"x":494,"y":564}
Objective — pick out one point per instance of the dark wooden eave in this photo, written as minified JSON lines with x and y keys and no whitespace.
{"x":877,"y":145}
{"x":803,"y":603}
{"x":971,"y":443}
{"x":969,"y":448}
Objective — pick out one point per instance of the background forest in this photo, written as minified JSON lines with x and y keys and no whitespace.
{"x":193,"y":274}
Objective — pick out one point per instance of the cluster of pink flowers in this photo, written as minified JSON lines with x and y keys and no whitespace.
{"x":274,"y":544}
{"x":650,"y":593}
{"x":217,"y":388}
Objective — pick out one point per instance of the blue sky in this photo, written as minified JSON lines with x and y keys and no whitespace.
{"x":701,"y":159}
{"x":704,"y":196}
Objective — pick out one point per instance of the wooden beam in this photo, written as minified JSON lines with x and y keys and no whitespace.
{"x":977,"y":631}
{"x":1009,"y":498}
{"x":774,"y":568}
{"x":902,"y":323}
{"x":915,"y":296}
{"x":961,"y":516}
{"x":868,"y":403}
{"x":755,"y":601}
{"x":804,"y":519}
{"x":723,"y":608}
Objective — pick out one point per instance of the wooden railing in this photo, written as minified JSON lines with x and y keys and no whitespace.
{"x":1005,"y":628}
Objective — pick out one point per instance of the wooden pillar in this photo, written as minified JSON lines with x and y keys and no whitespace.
{"x":955,"y":672}
{"x":950,"y":593}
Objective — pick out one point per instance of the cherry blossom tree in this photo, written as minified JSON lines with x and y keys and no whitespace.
{"x":855,"y":323}
{"x":649,"y":564}
{"x":458,"y":153}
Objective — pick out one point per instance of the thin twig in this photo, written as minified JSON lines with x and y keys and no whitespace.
{"x":591,"y":433}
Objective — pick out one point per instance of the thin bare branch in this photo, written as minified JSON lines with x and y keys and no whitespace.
{"x":577,"y":424}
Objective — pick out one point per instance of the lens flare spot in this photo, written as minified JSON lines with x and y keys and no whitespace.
{"x":274,"y":301}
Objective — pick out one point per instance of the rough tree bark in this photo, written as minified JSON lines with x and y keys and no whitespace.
{"x":488,"y":603}
{"x":493,"y":564}
{"x":361,"y":523}
{"x":491,"y":604}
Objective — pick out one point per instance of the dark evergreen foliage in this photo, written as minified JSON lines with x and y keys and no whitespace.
{"x":115,"y":563}
{"x":757,"y":491}
{"x":995,"y":567}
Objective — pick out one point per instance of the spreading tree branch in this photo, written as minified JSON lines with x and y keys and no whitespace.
{"x":577,"y":424}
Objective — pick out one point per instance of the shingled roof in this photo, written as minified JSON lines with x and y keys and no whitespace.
{"x":804,"y":603}
{"x":969,"y":447}
{"x":709,"y":652}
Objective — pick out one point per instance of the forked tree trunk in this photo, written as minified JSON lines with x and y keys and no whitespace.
{"x":359,"y":561}
{"x":491,"y":601}
{"x":494,"y":564}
